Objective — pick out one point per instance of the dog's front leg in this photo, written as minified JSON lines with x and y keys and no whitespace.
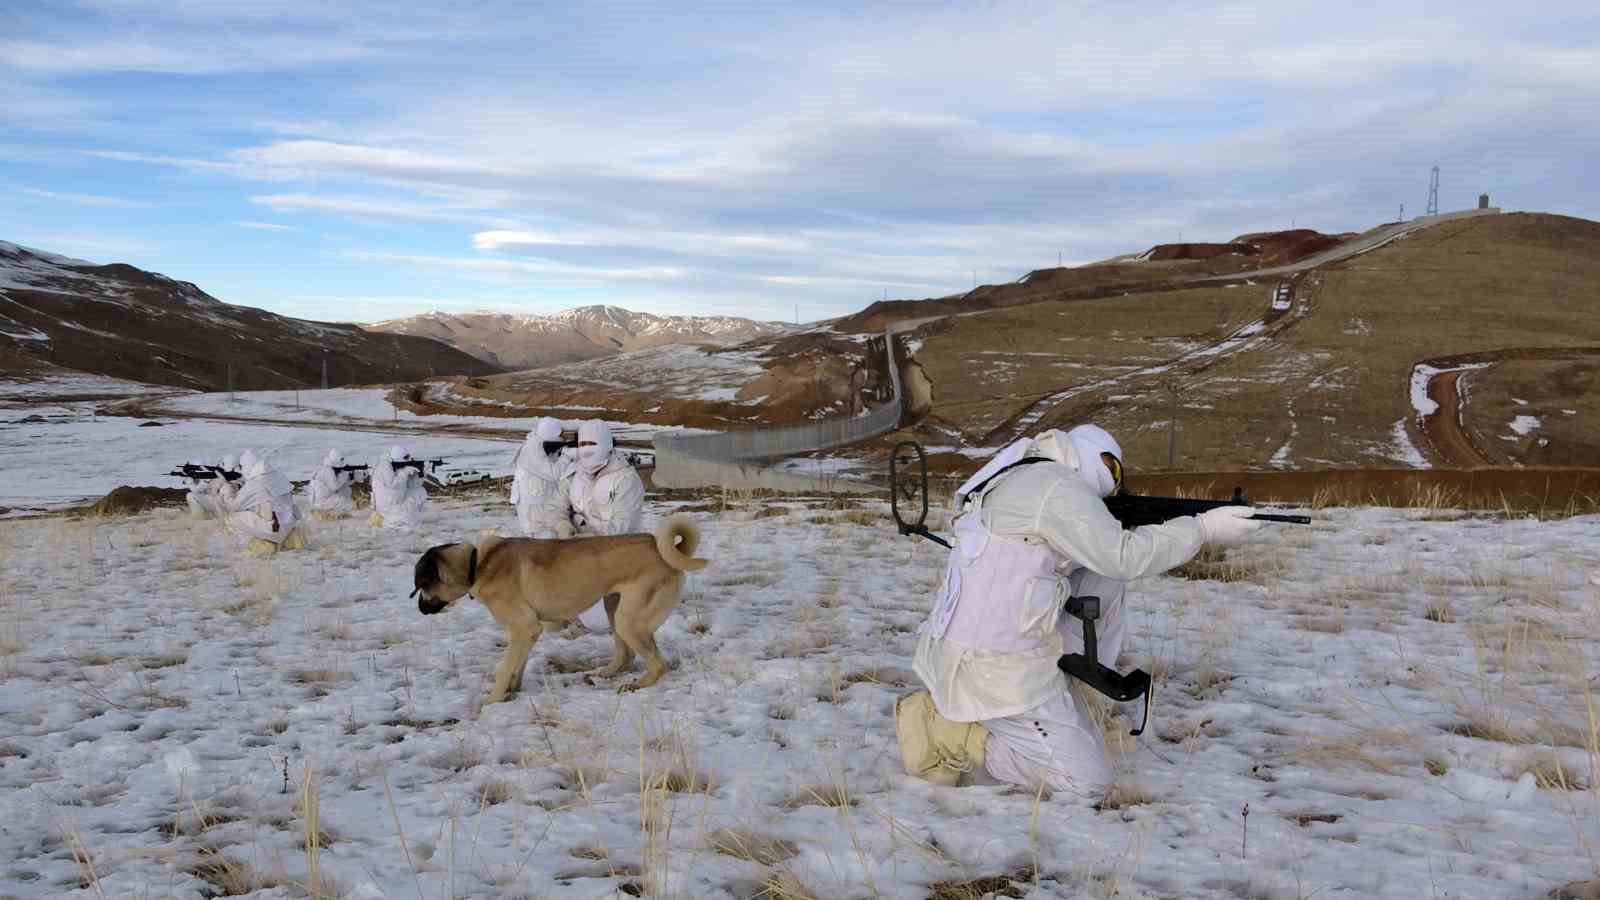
{"x":516,"y":677}
{"x":508,"y":677}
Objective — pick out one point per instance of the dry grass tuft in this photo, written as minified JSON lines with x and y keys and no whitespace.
{"x":1549,"y":773}
{"x":1362,"y":749}
{"x":1304,"y":819}
{"x":589,"y":851}
{"x":1212,"y":564}
{"x":1122,"y":796}
{"x":780,"y":885}
{"x":1013,"y":885}
{"x":742,"y":843}
{"x":1489,"y":725}
{"x":888,"y":676}
{"x":496,"y":791}
{"x":1436,"y":766}
{"x":568,"y":665}
{"x":1577,"y":890}
{"x":316,"y":676}
{"x":164,"y":662}
{"x":831,"y":795}
{"x":231,"y":876}
{"x":1439,"y":611}
{"x":681,"y":780}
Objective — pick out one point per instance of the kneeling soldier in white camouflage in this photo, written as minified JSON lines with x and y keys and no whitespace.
{"x":329,"y":489}
{"x":204,"y":493}
{"x":1027,"y":538}
{"x":262,"y":509}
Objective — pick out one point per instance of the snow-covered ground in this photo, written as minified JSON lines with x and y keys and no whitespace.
{"x":1401,"y":700}
{"x":672,"y":371}
{"x":76,"y":384}
{"x":74,"y":456}
{"x":361,"y":406}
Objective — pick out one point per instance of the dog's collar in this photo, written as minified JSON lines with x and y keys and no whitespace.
{"x":472,"y":569}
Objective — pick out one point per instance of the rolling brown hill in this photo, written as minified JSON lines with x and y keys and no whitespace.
{"x":127,"y":323}
{"x":1322,"y":381}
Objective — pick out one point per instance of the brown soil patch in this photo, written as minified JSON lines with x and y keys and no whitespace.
{"x":128,"y":501}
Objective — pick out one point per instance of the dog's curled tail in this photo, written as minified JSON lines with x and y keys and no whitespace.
{"x":676,"y":540}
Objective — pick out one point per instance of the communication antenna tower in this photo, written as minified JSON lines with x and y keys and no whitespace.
{"x":1433,"y":193}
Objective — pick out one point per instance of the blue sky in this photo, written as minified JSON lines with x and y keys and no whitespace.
{"x":362,"y":161}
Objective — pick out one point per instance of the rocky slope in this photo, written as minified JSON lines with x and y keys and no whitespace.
{"x":124,"y":322}
{"x":528,"y":341}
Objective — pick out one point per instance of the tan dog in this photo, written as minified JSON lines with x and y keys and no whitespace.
{"x":531,"y":584}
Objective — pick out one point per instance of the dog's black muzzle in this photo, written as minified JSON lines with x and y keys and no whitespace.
{"x":429,"y":606}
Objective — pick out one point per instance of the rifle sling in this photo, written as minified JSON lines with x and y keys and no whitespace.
{"x":977,"y":491}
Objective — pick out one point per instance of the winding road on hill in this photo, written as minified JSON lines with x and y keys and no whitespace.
{"x":1444,"y":430}
{"x":1272,"y":324}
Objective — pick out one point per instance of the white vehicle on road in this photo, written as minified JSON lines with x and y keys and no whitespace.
{"x":456,"y":477}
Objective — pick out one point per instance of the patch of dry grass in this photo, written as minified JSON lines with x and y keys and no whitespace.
{"x":835,"y":796}
{"x":751,"y":846}
{"x":231,"y":876}
{"x":1012,"y":885}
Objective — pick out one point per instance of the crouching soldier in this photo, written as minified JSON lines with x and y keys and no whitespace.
{"x":204,"y":493}
{"x":262,"y":508}
{"x":329,"y":490}
{"x":1033,"y":531}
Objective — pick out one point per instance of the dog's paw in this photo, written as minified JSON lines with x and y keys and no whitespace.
{"x":629,"y":688}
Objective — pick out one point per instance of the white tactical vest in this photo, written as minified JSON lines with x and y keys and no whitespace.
{"x":990,"y":645}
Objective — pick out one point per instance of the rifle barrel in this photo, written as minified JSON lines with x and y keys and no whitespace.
{"x":1275,"y":517}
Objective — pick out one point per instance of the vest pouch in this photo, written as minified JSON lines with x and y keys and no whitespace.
{"x":1042,"y":602}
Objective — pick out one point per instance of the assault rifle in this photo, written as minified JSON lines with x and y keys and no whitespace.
{"x":1133,"y":510}
{"x":351,"y":468}
{"x":204,"y":473}
{"x":423,"y":466}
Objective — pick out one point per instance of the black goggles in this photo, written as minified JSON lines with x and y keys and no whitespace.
{"x":1115,"y":465}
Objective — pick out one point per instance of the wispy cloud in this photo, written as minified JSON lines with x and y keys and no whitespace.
{"x":262,"y":226}
{"x":84,"y":199}
{"x":367,"y":207}
{"x":512,"y":267}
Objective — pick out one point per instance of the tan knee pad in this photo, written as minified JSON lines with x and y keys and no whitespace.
{"x":260,"y":547}
{"x":932,"y":747}
{"x":376,"y":519}
{"x":295,"y":540}
{"x":327,"y":515}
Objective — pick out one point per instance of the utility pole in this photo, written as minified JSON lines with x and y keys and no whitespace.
{"x":1402,"y":212}
{"x":1058,"y":259}
{"x":324,"y":369}
{"x":1433,"y":192}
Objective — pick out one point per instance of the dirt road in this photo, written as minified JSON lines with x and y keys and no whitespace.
{"x":1445,"y":429}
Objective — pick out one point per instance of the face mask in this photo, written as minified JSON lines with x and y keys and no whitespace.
{"x":592,"y":459}
{"x":551,"y":448}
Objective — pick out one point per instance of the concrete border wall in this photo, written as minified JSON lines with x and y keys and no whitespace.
{"x":734,"y":459}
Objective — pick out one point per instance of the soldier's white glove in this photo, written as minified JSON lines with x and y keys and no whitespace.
{"x":1227,"y":525}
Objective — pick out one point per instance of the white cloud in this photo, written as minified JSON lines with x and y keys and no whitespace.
{"x":506,"y":267}
{"x":85,"y":199}
{"x":262,"y":226}
{"x":365,"y":207}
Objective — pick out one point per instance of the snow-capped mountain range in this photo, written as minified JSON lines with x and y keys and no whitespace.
{"x":519,"y":341}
